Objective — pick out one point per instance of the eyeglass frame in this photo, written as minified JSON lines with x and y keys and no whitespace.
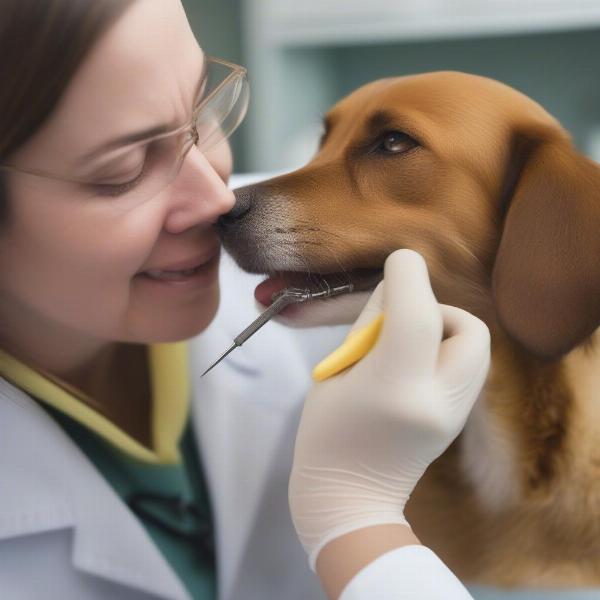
{"x":237,"y":71}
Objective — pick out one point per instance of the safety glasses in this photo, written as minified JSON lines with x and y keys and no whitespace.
{"x":136,"y":172}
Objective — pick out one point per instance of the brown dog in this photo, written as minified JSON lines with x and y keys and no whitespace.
{"x":487,"y":186}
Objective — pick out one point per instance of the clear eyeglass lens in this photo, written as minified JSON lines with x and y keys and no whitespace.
{"x":220,"y":115}
{"x":215,"y":120}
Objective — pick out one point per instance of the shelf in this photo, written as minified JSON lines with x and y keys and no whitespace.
{"x":296,"y":73}
{"x":289,"y":23}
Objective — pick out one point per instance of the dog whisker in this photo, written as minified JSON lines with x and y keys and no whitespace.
{"x":464,"y":248}
{"x":310,"y":226}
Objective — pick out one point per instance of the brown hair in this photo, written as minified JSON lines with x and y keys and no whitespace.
{"x":41,"y":46}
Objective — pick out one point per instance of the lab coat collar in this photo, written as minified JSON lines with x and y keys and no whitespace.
{"x":47,"y":483}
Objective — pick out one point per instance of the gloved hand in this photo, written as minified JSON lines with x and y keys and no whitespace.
{"x":367,"y":435}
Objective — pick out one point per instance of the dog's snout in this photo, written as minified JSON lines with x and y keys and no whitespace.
{"x":244,"y":197}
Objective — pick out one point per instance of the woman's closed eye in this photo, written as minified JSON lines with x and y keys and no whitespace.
{"x":149,"y":164}
{"x":116,"y":189}
{"x":117,"y":179}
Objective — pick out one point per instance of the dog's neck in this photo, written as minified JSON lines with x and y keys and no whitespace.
{"x":532,"y":421}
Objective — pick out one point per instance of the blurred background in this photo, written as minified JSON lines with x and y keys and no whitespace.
{"x":304,"y":55}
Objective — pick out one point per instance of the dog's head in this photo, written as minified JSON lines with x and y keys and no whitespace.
{"x":467,"y":171}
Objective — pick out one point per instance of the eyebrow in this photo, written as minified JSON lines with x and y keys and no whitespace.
{"x":383,"y":119}
{"x":380,"y":119}
{"x":137,"y":136}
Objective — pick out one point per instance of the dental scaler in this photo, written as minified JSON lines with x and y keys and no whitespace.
{"x":280,"y":301}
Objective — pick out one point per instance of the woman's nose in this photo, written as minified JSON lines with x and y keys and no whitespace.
{"x":199,"y":194}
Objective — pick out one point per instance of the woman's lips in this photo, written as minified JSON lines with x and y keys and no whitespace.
{"x":186,"y":263}
{"x":201,"y":274}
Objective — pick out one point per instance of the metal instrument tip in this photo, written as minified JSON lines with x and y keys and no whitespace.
{"x":233,"y":347}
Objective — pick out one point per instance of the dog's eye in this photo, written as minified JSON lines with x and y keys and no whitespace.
{"x":395,"y":142}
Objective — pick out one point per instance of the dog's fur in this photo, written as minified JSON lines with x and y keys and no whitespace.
{"x":490,"y":190}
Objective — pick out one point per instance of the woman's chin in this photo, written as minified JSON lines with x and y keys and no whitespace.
{"x":183,"y":326}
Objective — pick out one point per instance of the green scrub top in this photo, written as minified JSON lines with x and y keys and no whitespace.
{"x":171,"y":501}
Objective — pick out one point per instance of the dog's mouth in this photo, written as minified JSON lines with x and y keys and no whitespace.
{"x":361,"y":280}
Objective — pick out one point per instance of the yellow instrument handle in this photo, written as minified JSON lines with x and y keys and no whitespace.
{"x":355,"y":346}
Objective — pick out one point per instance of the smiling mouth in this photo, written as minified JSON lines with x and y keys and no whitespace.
{"x":361,"y":279}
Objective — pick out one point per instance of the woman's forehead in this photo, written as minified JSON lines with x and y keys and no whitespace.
{"x":142,"y":72}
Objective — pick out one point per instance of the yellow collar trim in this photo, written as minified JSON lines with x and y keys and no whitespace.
{"x":168,"y":365}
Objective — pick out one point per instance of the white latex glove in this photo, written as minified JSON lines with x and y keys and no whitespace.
{"x":367,"y":435}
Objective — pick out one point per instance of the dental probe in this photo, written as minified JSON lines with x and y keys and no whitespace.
{"x":280,"y":301}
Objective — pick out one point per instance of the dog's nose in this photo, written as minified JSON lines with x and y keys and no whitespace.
{"x":244,"y":197}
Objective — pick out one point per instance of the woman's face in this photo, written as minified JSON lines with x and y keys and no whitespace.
{"x":72,"y":262}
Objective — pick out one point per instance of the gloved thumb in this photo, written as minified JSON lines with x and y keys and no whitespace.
{"x":413,"y":327}
{"x":372,"y":309}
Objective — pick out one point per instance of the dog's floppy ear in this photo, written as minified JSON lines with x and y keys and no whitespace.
{"x":546,"y":275}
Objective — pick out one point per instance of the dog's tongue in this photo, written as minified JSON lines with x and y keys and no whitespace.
{"x":265,"y":290}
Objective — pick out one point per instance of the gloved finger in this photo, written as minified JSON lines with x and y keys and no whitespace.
{"x":466,"y":349}
{"x":413,"y":327}
{"x":372,"y":309}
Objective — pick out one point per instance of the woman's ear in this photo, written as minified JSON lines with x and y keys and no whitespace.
{"x":546,"y":276}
